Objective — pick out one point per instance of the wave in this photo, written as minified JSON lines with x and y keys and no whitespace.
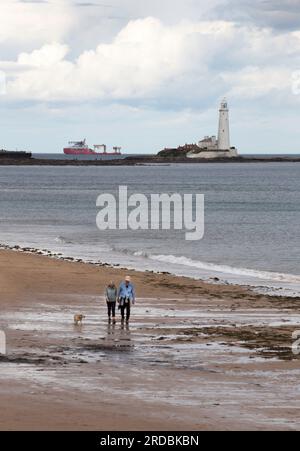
{"x":226,"y":269}
{"x":63,"y":240}
{"x":130,"y":252}
{"x":141,"y":254}
{"x":212,"y":267}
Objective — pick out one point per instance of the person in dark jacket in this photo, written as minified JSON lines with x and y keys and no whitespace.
{"x":111,"y":294}
{"x":126,"y":297}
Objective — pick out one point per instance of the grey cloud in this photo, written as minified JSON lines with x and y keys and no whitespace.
{"x":92,"y":4}
{"x":33,"y":1}
{"x":278,"y":14}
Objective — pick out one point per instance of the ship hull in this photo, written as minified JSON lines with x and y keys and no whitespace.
{"x":70,"y":151}
{"x":86,"y":152}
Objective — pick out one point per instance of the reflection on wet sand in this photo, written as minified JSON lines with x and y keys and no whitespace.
{"x":118,"y":335}
{"x":150,"y":360}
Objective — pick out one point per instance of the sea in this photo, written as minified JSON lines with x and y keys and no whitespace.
{"x":252,"y":219}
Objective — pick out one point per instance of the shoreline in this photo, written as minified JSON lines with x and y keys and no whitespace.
{"x":213,"y":280}
{"x":196,"y":356}
{"x":144,"y":160}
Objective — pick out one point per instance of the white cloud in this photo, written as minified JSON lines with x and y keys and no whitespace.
{"x":142,"y":57}
{"x":253,"y":82}
{"x":47,"y":56}
{"x":150,"y":60}
{"x":35,"y":22}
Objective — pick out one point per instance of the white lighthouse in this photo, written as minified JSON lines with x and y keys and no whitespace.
{"x":212,"y":147}
{"x":224,"y":136}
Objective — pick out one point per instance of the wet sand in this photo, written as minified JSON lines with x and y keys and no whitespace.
{"x":195,"y":356}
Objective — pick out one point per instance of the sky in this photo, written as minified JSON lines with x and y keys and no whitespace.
{"x":146,"y":75}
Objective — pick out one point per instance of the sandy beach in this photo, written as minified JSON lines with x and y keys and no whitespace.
{"x":195,"y":356}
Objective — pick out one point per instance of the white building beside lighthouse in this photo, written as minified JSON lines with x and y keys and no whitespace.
{"x":212,"y":147}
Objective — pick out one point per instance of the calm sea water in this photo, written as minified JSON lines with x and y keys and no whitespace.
{"x":252,"y":218}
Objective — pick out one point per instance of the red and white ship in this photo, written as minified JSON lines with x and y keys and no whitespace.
{"x":81,"y":148}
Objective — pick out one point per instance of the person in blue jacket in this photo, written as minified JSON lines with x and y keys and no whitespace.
{"x":126,"y":298}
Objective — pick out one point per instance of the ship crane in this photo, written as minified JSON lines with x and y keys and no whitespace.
{"x":117,"y":150}
{"x":101,"y":146}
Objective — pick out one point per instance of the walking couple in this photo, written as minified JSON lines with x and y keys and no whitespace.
{"x":125,"y":296}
